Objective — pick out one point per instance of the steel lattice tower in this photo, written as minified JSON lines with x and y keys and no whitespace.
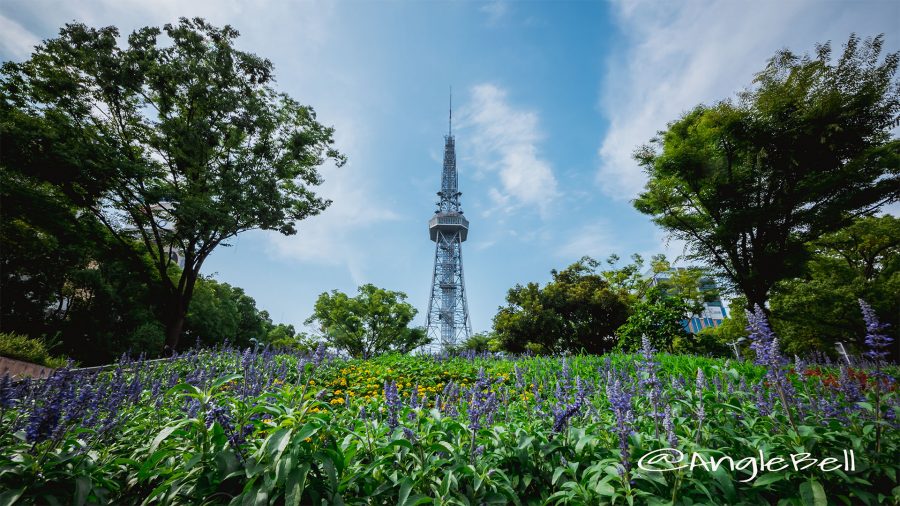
{"x":448,"y":311}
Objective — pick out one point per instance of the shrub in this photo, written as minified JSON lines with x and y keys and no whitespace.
{"x":28,"y":349}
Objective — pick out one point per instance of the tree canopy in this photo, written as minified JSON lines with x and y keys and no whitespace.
{"x":748,"y":183}
{"x":374,"y":322}
{"x":175,"y":147}
{"x":577,"y":310}
{"x":659,"y":317}
{"x":819,"y":308}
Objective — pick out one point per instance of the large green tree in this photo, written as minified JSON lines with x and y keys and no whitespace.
{"x":577,"y":310}
{"x":819,"y":308}
{"x":374,"y":322}
{"x":659,"y":317}
{"x":63,"y":276}
{"x":173,"y":143}
{"x":748,"y":183}
{"x":222,"y":312}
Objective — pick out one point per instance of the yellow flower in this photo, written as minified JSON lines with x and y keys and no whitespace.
{"x":267,"y":420}
{"x":308,"y":440}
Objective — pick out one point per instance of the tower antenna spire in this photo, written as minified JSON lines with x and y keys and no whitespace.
{"x":450,"y":122}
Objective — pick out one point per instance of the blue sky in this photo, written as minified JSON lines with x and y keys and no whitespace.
{"x":550,"y":99}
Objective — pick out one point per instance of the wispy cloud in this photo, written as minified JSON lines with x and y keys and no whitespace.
{"x":594,"y":239}
{"x":677,"y":55}
{"x":495,"y":10}
{"x":338,"y":236}
{"x":505,"y":140}
{"x":16,"y":40}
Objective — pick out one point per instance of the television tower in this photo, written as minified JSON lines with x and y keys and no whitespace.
{"x":448,"y":312}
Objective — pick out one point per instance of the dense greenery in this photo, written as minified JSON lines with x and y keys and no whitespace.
{"x":589,"y":307}
{"x":658,"y":317}
{"x":577,"y":310}
{"x":374,"y":322}
{"x":817,"y":309}
{"x":36,"y":351}
{"x":232,"y":427}
{"x":748,"y":184}
{"x":173,"y":149}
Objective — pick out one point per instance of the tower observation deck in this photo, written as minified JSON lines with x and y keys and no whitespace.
{"x":448,"y":312}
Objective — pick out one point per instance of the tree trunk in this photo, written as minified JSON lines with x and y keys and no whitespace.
{"x":758,"y":297}
{"x":177,"y":312}
{"x":174,"y":324}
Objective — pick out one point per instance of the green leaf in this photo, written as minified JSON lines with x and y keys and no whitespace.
{"x":190,"y":390}
{"x":442,"y":446}
{"x":556,"y":474}
{"x":163,"y":434}
{"x":813,"y":494}
{"x":296,"y":482}
{"x":405,"y":488}
{"x":307,"y":430}
{"x":224,"y":379}
{"x":767,"y":479}
{"x":278,"y":441}
{"x":9,"y":497}
{"x":82,"y":489}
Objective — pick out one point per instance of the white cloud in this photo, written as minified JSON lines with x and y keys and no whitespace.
{"x":495,"y":10}
{"x":16,"y":40}
{"x":677,"y":55}
{"x":505,"y":141}
{"x":339,"y":235}
{"x":594,"y":240}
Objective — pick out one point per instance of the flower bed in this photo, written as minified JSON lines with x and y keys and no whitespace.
{"x":229,"y":426}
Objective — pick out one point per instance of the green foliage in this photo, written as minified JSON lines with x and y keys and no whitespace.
{"x":306,"y":444}
{"x":819,"y":308}
{"x":284,"y":336}
{"x":62,"y":274}
{"x":702,"y":343}
{"x":220,"y":312}
{"x":374,"y":322}
{"x":27,"y":349}
{"x":576,"y":310}
{"x":659,"y":317}
{"x":733,"y":329}
{"x":691,"y":285}
{"x":193,"y":145}
{"x":481,"y":342}
{"x":748,"y":184}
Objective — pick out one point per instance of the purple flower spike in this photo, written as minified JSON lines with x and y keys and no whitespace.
{"x":392,"y":399}
{"x":875,"y":339}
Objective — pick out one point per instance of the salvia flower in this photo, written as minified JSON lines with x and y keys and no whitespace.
{"x":414,"y":397}
{"x":482,"y":402}
{"x":669,"y":427}
{"x":392,"y":400}
{"x":620,"y":400}
{"x":319,"y":355}
{"x":562,"y":412}
{"x":876,"y":340}
{"x":7,"y":392}
{"x":763,"y":341}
